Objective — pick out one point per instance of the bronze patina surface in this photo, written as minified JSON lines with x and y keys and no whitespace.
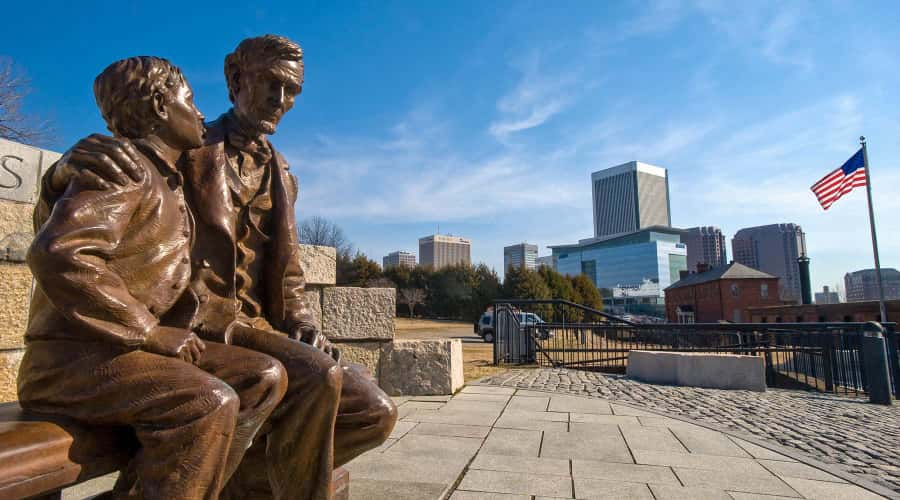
{"x":246,"y":284}
{"x":110,"y":264}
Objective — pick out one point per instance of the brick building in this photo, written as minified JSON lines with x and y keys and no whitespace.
{"x":847,"y":312}
{"x":723,"y":293}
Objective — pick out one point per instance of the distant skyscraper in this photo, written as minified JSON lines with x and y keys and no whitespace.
{"x":520,"y":255}
{"x":826,"y":296}
{"x":440,"y":251}
{"x":630,"y":197}
{"x":773,"y":249}
{"x":705,"y":245}
{"x":862,"y":285}
{"x":546,"y":261}
{"x":398,"y":258}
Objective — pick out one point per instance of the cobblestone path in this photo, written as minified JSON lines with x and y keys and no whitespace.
{"x":862,"y":438}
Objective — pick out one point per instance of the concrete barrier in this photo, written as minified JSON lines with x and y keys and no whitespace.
{"x":714,"y":371}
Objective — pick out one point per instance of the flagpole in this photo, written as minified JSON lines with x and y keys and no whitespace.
{"x":862,"y":141}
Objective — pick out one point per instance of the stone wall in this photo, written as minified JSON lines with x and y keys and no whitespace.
{"x":21,"y":168}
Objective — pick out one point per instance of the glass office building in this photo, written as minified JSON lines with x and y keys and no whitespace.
{"x":630,"y":264}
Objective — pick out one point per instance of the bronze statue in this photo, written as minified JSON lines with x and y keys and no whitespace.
{"x":247,"y":285}
{"x":111,"y":266}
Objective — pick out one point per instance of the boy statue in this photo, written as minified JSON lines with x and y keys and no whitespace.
{"x":105,"y":344}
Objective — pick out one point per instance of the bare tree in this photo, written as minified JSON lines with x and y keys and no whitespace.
{"x":14,"y":125}
{"x":317,"y":230}
{"x":411,"y":297}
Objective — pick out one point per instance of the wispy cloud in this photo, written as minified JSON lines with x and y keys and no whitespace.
{"x":412,"y":176}
{"x":539,"y":95}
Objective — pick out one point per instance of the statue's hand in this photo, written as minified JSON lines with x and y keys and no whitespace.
{"x":98,"y":159}
{"x":175,"y":343}
{"x":309,"y":334}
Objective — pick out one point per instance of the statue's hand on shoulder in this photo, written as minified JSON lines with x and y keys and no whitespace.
{"x":175,"y":343}
{"x":310,"y":334}
{"x":99,"y":160}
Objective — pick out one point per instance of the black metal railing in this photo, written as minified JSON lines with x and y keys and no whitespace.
{"x":812,"y":356}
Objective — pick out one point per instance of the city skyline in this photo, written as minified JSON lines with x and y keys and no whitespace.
{"x":541,"y":95}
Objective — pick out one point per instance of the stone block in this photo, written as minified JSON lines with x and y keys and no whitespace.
{"x":422,"y":367}
{"x":21,"y":168}
{"x":15,"y":296}
{"x":367,"y":354}
{"x":319,"y":264}
{"x":358,"y":313}
{"x":314,"y":299}
{"x":715,"y":371}
{"x":10,"y":359}
{"x":16,"y":218}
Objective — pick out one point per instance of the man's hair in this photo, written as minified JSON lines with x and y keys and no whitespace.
{"x":125,"y":92}
{"x":258,"y":53}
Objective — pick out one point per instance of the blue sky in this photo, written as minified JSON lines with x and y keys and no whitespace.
{"x":486,"y":118}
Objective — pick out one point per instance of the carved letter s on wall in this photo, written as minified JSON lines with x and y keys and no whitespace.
{"x":4,"y":163}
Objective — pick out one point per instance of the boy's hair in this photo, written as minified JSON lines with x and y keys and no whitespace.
{"x":261,"y":52}
{"x":125,"y":90}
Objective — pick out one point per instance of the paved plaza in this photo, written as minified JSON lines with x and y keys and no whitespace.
{"x":849,"y":433}
{"x":505,"y":443}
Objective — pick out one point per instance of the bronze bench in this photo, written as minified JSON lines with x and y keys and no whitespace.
{"x":40,"y":455}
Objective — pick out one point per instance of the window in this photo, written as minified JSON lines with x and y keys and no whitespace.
{"x":486,"y":320}
{"x":764,"y":290}
{"x":764,"y":319}
{"x":799,"y":319}
{"x":736,"y":315}
{"x":735,"y":290}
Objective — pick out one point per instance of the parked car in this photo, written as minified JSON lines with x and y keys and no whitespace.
{"x":484,"y":327}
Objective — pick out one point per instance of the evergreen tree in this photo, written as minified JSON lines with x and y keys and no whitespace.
{"x":588,"y":293}
{"x":560,"y":286}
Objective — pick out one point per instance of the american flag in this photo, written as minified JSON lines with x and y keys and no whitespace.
{"x":840,"y":182}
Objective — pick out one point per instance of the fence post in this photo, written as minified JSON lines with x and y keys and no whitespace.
{"x":827,"y":358}
{"x":890,"y":337}
{"x":876,"y":364}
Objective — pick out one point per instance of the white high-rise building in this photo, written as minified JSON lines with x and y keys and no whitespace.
{"x":520,"y":255}
{"x":440,"y":250}
{"x":398,"y":258}
{"x":630,"y":197}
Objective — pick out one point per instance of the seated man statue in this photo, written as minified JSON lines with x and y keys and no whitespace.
{"x":103,"y":342}
{"x":247,"y":283}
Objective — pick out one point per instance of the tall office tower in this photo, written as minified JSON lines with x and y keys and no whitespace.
{"x":440,"y":251}
{"x":520,"y":255}
{"x":705,"y":245}
{"x":630,"y":197}
{"x":863,"y":285}
{"x":773,"y":249}
{"x":398,"y":258}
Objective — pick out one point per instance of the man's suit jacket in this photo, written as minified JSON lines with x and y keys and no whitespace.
{"x":214,"y":253}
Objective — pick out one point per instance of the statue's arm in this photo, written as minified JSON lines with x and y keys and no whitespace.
{"x":69,"y":261}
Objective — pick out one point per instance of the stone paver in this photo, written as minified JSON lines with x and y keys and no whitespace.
{"x":573,"y":447}
{"x":860,"y":438}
